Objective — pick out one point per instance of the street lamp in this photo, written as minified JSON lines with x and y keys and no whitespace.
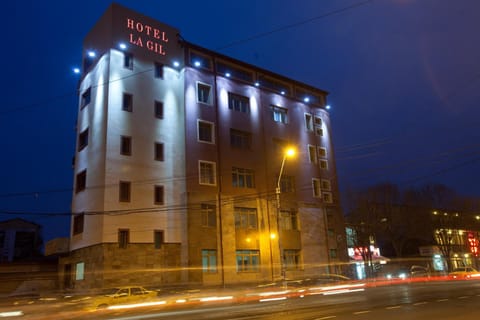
{"x":289,"y":152}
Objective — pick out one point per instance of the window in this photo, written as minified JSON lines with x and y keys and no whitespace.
{"x":324,"y":164}
{"x":240,"y":139}
{"x":287,"y":184}
{"x":316,"y":187}
{"x":206,"y":173}
{"x":83,"y":139}
{"x":78,"y":222}
{"x":128,"y":60}
{"x":124,"y":191}
{"x":238,"y":103}
{"x":292,"y":259}
{"x":312,"y":154}
{"x":158,"y":238}
{"x":204,"y":93}
{"x":243,"y":178}
{"x":331,"y":232}
{"x":322,"y":152}
{"x":318,"y":121}
{"x":288,"y":220}
{"x":123,"y":238}
{"x":319,"y":131}
{"x":86,"y":97}
{"x":326,"y":185}
{"x":308,"y":122}
{"x":127,"y":104}
{"x":248,"y":260}
{"x":209,"y":260}
{"x":209,"y":215}
{"x":205,"y":131}
{"x":333,"y":253}
{"x":81,"y":181}
{"x":245,"y":218}
{"x":80,"y":271}
{"x":158,"y":70}
{"x":158,"y":109}
{"x":125,"y":145}
{"x":279,"y":114}
{"x":159,"y":156}
{"x":327,"y":197}
{"x":159,"y":194}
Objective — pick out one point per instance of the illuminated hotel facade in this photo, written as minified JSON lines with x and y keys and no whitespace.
{"x":178,"y":158}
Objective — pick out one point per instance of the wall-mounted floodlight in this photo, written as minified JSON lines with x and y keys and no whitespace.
{"x":91,"y":54}
{"x":257,"y":84}
{"x":176,"y":64}
{"x":306,"y":99}
{"x":197,"y":63}
{"x":76,"y":70}
{"x":327,"y":107}
{"x":227,"y":74}
{"x":122,"y":46}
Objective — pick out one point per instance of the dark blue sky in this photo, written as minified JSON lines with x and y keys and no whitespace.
{"x":403,"y":77}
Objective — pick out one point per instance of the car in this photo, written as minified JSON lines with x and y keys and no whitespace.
{"x":464,"y":273}
{"x":121,"y":295}
{"x":419,"y":272}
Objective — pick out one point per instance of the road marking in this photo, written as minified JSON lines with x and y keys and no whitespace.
{"x":362,"y":312}
{"x":393,"y":307}
{"x":463,"y":297}
{"x":442,"y":300}
{"x":420,"y":303}
{"x":327,"y":317}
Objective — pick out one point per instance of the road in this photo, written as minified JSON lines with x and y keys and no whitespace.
{"x":429,"y":300}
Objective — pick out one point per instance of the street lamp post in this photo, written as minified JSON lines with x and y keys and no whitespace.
{"x":290,"y":152}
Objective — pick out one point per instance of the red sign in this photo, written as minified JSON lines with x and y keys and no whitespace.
{"x":146,"y":36}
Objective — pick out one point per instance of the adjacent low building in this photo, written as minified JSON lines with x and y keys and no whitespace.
{"x":181,"y":175}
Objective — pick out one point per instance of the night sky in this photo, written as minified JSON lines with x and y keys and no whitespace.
{"x":403,"y":77}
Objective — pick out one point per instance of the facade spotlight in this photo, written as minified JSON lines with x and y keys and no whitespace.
{"x":91,"y":54}
{"x":176,"y":64}
{"x":227,"y":74}
{"x":197,"y":63}
{"x":257,"y":84}
{"x":327,"y":107}
{"x":306,"y":99}
{"x":283,"y":92}
{"x":122,"y":46}
{"x":76,"y":70}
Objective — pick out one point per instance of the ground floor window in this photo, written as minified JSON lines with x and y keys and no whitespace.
{"x":292,"y":259}
{"x":80,"y":271}
{"x":209,"y":260}
{"x":248,"y":260}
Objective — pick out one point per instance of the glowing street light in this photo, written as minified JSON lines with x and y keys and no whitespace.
{"x":289,"y":153}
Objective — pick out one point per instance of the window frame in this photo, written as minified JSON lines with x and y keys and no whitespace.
{"x":308,"y":121}
{"x":81,"y":181}
{"x":323,"y":164}
{"x":240,"y":139}
{"x":243,"y":178}
{"x":159,"y":194}
{"x":128,"y":60}
{"x":125,"y":145}
{"x":279,"y":114}
{"x":292,"y":259}
{"x":209,"y":265}
{"x":158,"y":238}
{"x":208,"y":214}
{"x":127,"y":102}
{"x":158,"y":109}
{"x":123,"y":238}
{"x":82,"y":140}
{"x":124,"y":191}
{"x":212,"y":131}
{"x":78,"y":223}
{"x":312,"y":154}
{"x":200,"y":97}
{"x":316,"y":188}
{"x":252,"y":262}
{"x":158,"y":70}
{"x":211,"y":177}
{"x":86,"y":98}
{"x":245,"y":218}
{"x":239,"y":103}
{"x":288,"y":220}
{"x":159,"y":151}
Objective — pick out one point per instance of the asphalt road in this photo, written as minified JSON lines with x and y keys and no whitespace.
{"x":426,"y":300}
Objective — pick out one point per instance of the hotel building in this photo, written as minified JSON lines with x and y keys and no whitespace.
{"x":181,"y":175}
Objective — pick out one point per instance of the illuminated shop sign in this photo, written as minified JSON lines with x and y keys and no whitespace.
{"x":146,"y":36}
{"x":473,"y":244}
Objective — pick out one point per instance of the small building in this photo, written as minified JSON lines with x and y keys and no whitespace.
{"x":20,"y":240}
